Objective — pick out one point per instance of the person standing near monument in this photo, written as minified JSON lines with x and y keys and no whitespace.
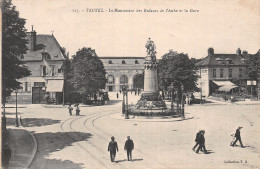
{"x":238,"y":137}
{"x":70,"y":109}
{"x":112,"y":148}
{"x":129,"y":146}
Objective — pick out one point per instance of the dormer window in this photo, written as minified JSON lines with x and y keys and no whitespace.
{"x":123,"y":62}
{"x":228,"y":60}
{"x":110,"y":62}
{"x":46,"y":56}
{"x":136,"y":62}
{"x":219,"y":60}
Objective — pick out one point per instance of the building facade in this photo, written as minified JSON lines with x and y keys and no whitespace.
{"x":121,"y":71}
{"x":222,"y":71}
{"x":44,"y":59}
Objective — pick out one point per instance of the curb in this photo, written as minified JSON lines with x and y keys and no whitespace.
{"x":35,"y":147}
{"x":148,"y":120}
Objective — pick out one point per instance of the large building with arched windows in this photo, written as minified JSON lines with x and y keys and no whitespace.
{"x":121,"y":71}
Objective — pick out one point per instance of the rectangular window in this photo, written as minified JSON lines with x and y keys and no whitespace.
{"x":52,"y":70}
{"x":230,"y":73}
{"x":43,"y":71}
{"x":214,"y":72}
{"x":39,"y":84}
{"x":221,"y":73}
{"x":240,"y":72}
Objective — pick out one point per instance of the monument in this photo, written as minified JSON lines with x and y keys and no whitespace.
{"x":150,"y":98}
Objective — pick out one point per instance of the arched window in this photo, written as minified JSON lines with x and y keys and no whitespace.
{"x":110,"y":62}
{"x":136,"y":62}
{"x":123,"y":79}
{"x":110,"y":79}
{"x":123,"y":62}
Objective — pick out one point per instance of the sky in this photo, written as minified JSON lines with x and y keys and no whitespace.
{"x":223,"y":25}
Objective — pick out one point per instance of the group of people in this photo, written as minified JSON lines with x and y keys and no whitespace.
{"x":71,"y":108}
{"x":200,"y":140}
{"x":113,"y":148}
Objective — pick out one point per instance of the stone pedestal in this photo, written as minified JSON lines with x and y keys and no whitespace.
{"x":150,"y":98}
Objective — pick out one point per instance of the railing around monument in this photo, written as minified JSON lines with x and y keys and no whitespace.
{"x":175,"y":112}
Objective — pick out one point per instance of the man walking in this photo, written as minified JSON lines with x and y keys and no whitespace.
{"x":201,"y":142}
{"x":112,"y":147}
{"x":238,"y":138}
{"x":129,"y":146}
{"x":197,"y":140}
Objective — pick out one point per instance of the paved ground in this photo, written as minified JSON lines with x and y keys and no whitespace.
{"x":81,"y":141}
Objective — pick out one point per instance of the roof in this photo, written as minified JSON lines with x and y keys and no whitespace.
{"x":44,"y":43}
{"x":124,"y":57}
{"x":221,"y":59}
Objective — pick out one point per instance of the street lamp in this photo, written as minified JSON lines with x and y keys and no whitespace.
{"x":16,"y":116}
{"x":182,"y":102}
{"x":63,"y":67}
{"x":172,"y":87}
{"x":125,"y":94}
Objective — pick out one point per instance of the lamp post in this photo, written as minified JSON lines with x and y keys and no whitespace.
{"x":125,"y":100}
{"x":182,"y":102}
{"x":172,"y":93}
{"x":200,"y":92}
{"x":16,"y":116}
{"x":63,"y":67}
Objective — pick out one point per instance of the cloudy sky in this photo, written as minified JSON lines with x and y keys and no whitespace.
{"x":223,"y":25}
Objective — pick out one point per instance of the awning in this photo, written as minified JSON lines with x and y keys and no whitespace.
{"x":224,"y":83}
{"x":54,"y":86}
{"x":226,"y":88}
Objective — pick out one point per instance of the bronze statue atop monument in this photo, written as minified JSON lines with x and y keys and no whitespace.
{"x":150,"y":98}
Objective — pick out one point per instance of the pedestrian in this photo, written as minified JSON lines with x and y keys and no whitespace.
{"x":120,"y":91}
{"x":201,"y":141}
{"x":6,"y":155}
{"x":231,"y":98}
{"x":197,"y":140}
{"x":77,"y":109}
{"x":238,"y":137}
{"x":70,"y":109}
{"x":187,"y":100}
{"x":95,"y":98}
{"x":117,"y":95}
{"x":129,"y":146}
{"x":112,"y":147}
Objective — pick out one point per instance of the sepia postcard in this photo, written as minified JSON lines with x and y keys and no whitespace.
{"x":128,"y":84}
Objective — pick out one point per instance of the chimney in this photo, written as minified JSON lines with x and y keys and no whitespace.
{"x":238,"y":52}
{"x":210,"y":51}
{"x":32,"y":40}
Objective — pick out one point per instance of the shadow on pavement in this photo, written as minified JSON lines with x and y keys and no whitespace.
{"x":112,"y":102}
{"x":140,"y":159}
{"x":209,"y":152}
{"x":48,"y":143}
{"x":32,"y":122}
{"x":119,"y":161}
{"x":10,"y":121}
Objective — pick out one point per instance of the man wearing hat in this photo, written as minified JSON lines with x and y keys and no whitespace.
{"x":112,"y":147}
{"x":238,"y":137}
{"x":201,"y":141}
{"x":197,"y":140}
{"x":129,"y":146}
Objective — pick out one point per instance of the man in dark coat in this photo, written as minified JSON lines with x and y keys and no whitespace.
{"x":201,"y":141}
{"x":197,"y":140}
{"x":238,"y":137}
{"x":129,"y":146}
{"x":112,"y":147}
